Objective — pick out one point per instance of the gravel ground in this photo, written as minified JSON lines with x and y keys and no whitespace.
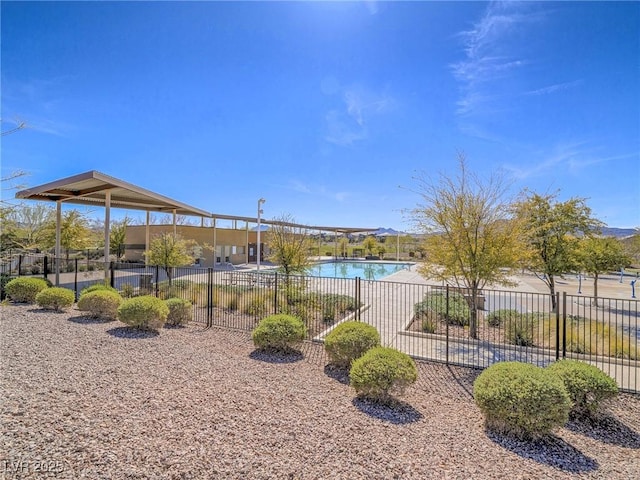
{"x":86,"y":399}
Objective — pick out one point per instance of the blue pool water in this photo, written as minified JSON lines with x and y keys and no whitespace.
{"x":365,"y":270}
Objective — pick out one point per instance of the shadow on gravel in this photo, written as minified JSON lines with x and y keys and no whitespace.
{"x":133,"y":333}
{"x":464,"y":377}
{"x":397,"y":412}
{"x":87,"y":320}
{"x":44,"y":310}
{"x":551,"y":451}
{"x":174,"y":327}
{"x":276,"y":356}
{"x":340,"y":374}
{"x":606,"y":429}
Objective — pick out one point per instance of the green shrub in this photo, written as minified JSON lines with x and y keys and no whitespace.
{"x":256,"y":302}
{"x":55,"y":298}
{"x":350,"y":340}
{"x":587,"y":385}
{"x":521,"y":400}
{"x":381,"y":372}
{"x":100,"y":304}
{"x":127,"y":290}
{"x":145,"y":312}
{"x":502,"y":317}
{"x":333,"y":304}
{"x":180,"y":311}
{"x":25,"y":289}
{"x":457,"y":313}
{"x":520,"y":330}
{"x":279,"y":332}
{"x":97,"y":286}
{"x":429,"y":320}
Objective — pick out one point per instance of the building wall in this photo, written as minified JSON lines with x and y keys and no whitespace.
{"x":232,"y":245}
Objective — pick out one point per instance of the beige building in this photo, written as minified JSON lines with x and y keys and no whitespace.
{"x":231,"y":245}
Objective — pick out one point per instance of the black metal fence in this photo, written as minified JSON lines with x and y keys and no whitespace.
{"x":429,"y":322}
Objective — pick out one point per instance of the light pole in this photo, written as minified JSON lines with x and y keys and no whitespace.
{"x":260,"y":212}
{"x":580,"y":282}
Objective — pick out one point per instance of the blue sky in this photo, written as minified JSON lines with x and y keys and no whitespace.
{"x":327,"y":110}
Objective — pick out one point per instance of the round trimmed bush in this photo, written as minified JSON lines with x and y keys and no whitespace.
{"x":97,"y":287}
{"x":502,"y":317}
{"x":520,"y":330}
{"x":25,"y":289}
{"x":521,"y":400}
{"x":180,"y":311}
{"x":145,"y":312}
{"x":279,"y":332}
{"x":55,"y":298}
{"x":381,"y":372}
{"x":350,"y":340}
{"x":587,"y":385}
{"x":100,"y":304}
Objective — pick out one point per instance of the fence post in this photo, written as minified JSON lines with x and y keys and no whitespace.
{"x":358,"y":298}
{"x":557,"y":333}
{"x":209,"y":297}
{"x":446,"y":337}
{"x":564,"y":321}
{"x":45,"y":266}
{"x":75,"y":278}
{"x":157,"y":280}
{"x":275,"y":293}
{"x":20,"y":265}
{"x":111,"y":271}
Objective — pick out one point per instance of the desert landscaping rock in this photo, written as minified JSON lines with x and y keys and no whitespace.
{"x":96,"y":400}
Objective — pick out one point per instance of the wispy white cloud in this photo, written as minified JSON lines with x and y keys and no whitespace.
{"x":349,"y":123}
{"x":40,"y":103}
{"x":566,"y":158}
{"x":372,"y":6}
{"x":342,"y":129}
{"x":317,"y":190}
{"x":488,"y":54}
{"x":554,"y":88}
{"x":298,"y":186}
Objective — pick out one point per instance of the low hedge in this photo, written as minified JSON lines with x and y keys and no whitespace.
{"x":382,"y":372}
{"x":279,"y":332}
{"x":100,"y":304}
{"x":145,"y":312}
{"x":56,"y":298}
{"x":521,"y":400}
{"x":456,"y":312}
{"x":588,"y":386}
{"x":180,"y":311}
{"x":25,"y":289}
{"x":97,"y":287}
{"x":350,"y":340}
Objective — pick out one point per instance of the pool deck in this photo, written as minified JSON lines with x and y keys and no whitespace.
{"x":390,"y":310}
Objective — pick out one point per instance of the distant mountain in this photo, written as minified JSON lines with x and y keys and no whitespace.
{"x":386,"y":231}
{"x":606,"y":232}
{"x":618,"y":232}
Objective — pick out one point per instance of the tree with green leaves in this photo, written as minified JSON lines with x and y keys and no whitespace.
{"x":471,"y":239}
{"x":343,"y":245}
{"x":289,"y":247}
{"x":631,"y":247}
{"x":23,"y":224}
{"x":117,"y":236}
{"x":75,"y":233}
{"x":597,"y":255}
{"x":370,"y":244}
{"x":168,"y":250}
{"x":551,"y":230}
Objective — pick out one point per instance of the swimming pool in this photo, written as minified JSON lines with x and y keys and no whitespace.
{"x":366,"y":270}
